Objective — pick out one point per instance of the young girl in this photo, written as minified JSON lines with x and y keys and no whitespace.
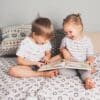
{"x":76,"y":46}
{"x":34,"y":51}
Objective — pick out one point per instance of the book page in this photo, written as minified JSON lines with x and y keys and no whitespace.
{"x":77,"y":65}
{"x":54,"y":65}
{"x":65,"y":64}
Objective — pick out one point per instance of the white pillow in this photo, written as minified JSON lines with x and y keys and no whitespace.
{"x":95,"y":38}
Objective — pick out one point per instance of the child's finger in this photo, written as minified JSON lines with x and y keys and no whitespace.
{"x":41,"y":64}
{"x":46,"y":61}
{"x":56,"y":72}
{"x":88,"y":62}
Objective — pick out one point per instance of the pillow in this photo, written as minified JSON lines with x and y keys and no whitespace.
{"x":59,"y":34}
{"x":10,"y":38}
{"x":0,"y":35}
{"x":95,"y":38}
{"x":56,"y":41}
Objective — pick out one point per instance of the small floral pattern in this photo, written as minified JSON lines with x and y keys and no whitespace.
{"x":66,"y":86}
{"x":62,"y":87}
{"x":11,"y":36}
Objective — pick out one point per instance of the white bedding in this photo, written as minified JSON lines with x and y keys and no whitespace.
{"x":62,"y":87}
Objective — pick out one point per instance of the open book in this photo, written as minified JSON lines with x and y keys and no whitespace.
{"x":65,"y":64}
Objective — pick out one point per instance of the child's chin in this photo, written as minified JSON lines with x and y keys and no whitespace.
{"x":70,"y":37}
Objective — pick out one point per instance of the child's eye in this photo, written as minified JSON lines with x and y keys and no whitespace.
{"x":70,"y":31}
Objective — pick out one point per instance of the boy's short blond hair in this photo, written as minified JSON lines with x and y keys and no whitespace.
{"x":42,"y":26}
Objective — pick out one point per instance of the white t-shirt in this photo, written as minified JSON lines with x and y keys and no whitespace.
{"x":79,"y":49}
{"x":32,"y":51}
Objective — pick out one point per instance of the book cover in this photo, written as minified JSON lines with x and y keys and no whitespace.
{"x":65,"y":64}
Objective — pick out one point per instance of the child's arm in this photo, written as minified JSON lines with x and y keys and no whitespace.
{"x":47,"y":57}
{"x":56,"y":58}
{"x":90,"y":61}
{"x":65,"y":53}
{"x":90,"y":52}
{"x":22,"y":61}
{"x":63,"y":49}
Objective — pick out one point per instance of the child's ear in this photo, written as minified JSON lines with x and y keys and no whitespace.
{"x":32,"y":34}
{"x":80,"y":27}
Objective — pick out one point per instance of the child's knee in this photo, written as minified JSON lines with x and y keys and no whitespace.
{"x":12,"y":71}
{"x":85,"y":75}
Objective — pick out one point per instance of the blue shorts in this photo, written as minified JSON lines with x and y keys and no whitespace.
{"x":34,"y":67}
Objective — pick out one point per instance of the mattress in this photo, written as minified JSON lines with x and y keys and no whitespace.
{"x":63,"y":87}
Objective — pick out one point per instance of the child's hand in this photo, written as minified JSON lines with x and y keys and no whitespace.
{"x":93,"y":70}
{"x":66,"y":54}
{"x":90,"y":60}
{"x":46,"y":59}
{"x":39,"y":64}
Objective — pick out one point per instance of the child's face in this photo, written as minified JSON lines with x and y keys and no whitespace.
{"x":40,"y":39}
{"x":72,"y":31}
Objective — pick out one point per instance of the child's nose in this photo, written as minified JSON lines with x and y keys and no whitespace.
{"x":69,"y":34}
{"x":43,"y":42}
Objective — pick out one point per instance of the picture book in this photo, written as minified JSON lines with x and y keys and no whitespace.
{"x":65,"y":64}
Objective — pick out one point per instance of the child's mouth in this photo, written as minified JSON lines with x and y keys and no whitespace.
{"x":71,"y":36}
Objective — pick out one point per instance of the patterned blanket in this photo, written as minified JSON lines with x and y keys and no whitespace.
{"x":66,"y":86}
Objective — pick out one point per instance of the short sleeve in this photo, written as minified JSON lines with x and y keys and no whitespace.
{"x":90,"y":49}
{"x":48,"y":46}
{"x":63,"y":43}
{"x":21,"y":51}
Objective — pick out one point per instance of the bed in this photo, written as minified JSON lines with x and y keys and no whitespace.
{"x":66,"y":86}
{"x":63,"y":87}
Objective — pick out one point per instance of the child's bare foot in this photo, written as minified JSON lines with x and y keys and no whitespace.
{"x":50,"y":73}
{"x":56,"y":72}
{"x":89,"y":84}
{"x":93,"y":70}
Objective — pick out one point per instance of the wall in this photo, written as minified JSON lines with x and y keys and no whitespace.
{"x":24,"y":11}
